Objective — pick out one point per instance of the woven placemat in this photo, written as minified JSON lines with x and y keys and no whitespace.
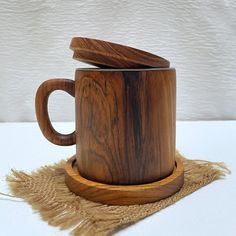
{"x":47,"y":193}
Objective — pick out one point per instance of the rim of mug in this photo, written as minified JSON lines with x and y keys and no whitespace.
{"x":124,"y":69}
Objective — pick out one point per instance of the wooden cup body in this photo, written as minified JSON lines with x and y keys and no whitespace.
{"x":125,"y":124}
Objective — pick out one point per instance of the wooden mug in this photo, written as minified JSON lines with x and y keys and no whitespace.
{"x":125,"y":123}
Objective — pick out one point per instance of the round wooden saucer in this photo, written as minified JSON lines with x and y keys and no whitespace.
{"x":112,"y":55}
{"x":123,"y":194}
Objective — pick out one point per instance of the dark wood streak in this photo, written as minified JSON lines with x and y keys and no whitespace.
{"x":133,"y":104}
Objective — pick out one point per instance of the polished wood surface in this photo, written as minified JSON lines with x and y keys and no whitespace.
{"x":125,"y":124}
{"x":106,"y":54}
{"x":41,"y":107}
{"x":123,"y":194}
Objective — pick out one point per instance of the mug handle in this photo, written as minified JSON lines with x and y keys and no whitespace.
{"x":41,"y":107}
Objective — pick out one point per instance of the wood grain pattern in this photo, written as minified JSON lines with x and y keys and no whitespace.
{"x":123,"y":194}
{"x":125,"y":124}
{"x":41,"y":107}
{"x":106,"y":54}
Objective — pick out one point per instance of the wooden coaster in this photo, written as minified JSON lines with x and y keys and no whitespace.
{"x":112,"y":55}
{"x":123,"y":194}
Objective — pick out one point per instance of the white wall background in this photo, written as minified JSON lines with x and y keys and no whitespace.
{"x":198,"y":37}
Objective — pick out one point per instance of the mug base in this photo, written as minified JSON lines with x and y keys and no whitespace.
{"x":123,"y":194}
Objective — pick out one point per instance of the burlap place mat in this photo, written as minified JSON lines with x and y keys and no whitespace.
{"x":47,"y":193}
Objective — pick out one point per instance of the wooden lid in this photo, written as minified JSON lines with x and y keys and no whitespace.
{"x":111,"y":55}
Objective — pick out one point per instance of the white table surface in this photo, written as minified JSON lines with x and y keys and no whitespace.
{"x":209,"y":211}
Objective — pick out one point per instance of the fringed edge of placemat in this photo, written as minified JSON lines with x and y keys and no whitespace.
{"x":68,"y":211}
